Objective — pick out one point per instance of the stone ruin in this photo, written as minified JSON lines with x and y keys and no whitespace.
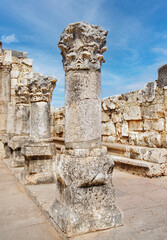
{"x":134,"y":128}
{"x":76,"y":146}
{"x":84,"y":191}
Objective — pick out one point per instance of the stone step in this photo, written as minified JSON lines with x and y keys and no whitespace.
{"x":140,"y":167}
{"x":136,"y":159}
{"x":117,"y":148}
{"x":128,"y":161}
{"x":153,"y":155}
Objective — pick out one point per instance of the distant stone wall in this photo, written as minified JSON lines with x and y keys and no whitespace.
{"x":57,"y":122}
{"x":21,"y":68}
{"x":135,"y":118}
{"x":18,"y":114}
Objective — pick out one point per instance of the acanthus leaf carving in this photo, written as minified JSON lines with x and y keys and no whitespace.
{"x":82,"y":46}
{"x":41,"y":87}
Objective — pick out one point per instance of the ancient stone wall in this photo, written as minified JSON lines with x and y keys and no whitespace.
{"x":21,"y":70}
{"x":135,"y":118}
{"x":16,"y":68}
{"x":57,"y":122}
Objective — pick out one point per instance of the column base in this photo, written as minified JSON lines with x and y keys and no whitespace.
{"x":17,"y":160}
{"x":16,"y":157}
{"x":85,"y":196}
{"x":39,"y":157}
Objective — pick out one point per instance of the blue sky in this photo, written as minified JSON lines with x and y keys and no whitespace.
{"x":137,"y":38}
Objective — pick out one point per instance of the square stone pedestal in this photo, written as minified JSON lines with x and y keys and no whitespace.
{"x":39,"y":156}
{"x":16,"y":157}
{"x":5,"y":147}
{"x":84,"y":193}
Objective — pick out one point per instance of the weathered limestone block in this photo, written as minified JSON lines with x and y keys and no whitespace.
{"x":84,"y":196}
{"x":162,"y":76}
{"x":15,"y":144}
{"x":149,"y":124}
{"x":160,"y":125}
{"x":153,"y":111}
{"x":7,"y":150}
{"x":108,"y":104}
{"x":105,"y":117}
{"x":84,"y":191}
{"x":108,"y":128}
{"x":110,"y":139}
{"x":148,"y":93}
{"x":118,"y":129}
{"x":130,"y":97}
{"x":146,"y":139}
{"x":38,"y":161}
{"x":60,"y":112}
{"x":154,"y":155}
{"x":57,"y":122}
{"x":132,"y":112}
{"x":59,"y":129}
{"x":135,"y":125}
{"x":117,"y":117}
{"x":125,"y":129}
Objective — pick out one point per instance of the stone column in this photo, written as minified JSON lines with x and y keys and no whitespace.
{"x":84,"y":191}
{"x":5,"y":70}
{"x":40,"y":151}
{"x":18,"y":124}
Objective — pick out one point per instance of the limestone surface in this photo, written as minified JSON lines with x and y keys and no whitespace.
{"x":84,"y":191}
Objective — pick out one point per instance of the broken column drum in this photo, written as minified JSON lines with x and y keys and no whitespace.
{"x":40,"y":150}
{"x":84,"y":193}
{"x":40,"y":97}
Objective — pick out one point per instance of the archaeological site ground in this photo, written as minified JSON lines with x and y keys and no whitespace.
{"x":92,"y":169}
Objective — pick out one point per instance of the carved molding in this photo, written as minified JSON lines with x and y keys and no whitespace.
{"x":82,"y":46}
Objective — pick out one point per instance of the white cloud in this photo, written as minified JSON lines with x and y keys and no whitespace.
{"x":160,"y":50}
{"x":9,"y":38}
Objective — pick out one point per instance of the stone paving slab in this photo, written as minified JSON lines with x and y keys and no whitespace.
{"x":20,"y":218}
{"x":142,"y":200}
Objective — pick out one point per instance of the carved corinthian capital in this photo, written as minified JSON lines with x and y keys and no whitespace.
{"x":41,"y":88}
{"x":82,"y":46}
